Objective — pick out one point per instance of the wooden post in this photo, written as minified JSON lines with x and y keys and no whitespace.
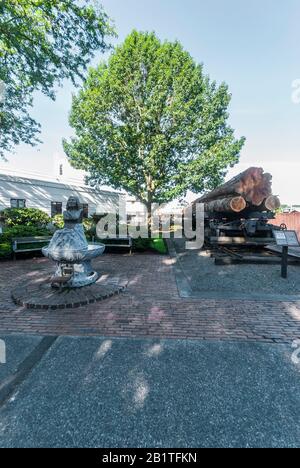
{"x":284,"y":261}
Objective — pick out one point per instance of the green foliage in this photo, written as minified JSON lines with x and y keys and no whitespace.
{"x":89,"y":225}
{"x":22,"y":231}
{"x":5,"y":249}
{"x":41,"y":44}
{"x":155,"y":244}
{"x":58,"y":221}
{"x":24,"y":217}
{"x":151,"y":122}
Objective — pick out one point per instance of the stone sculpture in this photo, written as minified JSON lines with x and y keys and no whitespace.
{"x":71,"y":252}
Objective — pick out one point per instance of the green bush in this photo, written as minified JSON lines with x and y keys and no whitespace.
{"x":159,"y":245}
{"x":155,"y":244}
{"x":5,"y":250}
{"x":24,"y":217}
{"x":140,"y":244}
{"x":58,"y":221}
{"x":22,"y":231}
{"x":89,"y":225}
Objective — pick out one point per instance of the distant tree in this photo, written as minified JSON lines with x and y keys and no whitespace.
{"x":151,"y":122}
{"x":41,"y":43}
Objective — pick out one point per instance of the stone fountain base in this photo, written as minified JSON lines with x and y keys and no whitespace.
{"x":75,"y":264}
{"x":39,"y":294}
{"x":82,"y":274}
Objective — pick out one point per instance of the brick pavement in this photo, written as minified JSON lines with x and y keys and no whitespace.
{"x":149,"y":307}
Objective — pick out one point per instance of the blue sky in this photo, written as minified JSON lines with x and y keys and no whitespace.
{"x":251,"y":45}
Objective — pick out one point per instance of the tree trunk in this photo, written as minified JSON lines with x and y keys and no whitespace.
{"x":150,"y":187}
{"x":149,"y":219}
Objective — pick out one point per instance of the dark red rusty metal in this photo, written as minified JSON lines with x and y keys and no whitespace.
{"x":292,"y":221}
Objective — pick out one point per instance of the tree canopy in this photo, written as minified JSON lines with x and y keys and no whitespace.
{"x":151,"y":122}
{"x":42,"y":42}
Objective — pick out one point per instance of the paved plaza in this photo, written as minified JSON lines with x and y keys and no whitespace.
{"x":153,"y":366}
{"x":150,"y":306}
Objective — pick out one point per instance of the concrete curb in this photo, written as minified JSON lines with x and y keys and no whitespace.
{"x":10,"y":384}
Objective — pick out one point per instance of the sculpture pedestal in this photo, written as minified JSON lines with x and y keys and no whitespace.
{"x":75,"y":265}
{"x":38,"y":294}
{"x":82,"y":274}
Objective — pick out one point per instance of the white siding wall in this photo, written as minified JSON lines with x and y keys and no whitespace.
{"x":40,"y":194}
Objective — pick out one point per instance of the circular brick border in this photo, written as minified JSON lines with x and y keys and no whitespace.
{"x":40,"y":295}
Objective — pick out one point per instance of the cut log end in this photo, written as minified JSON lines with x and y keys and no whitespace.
{"x":272,"y":203}
{"x":238,"y":204}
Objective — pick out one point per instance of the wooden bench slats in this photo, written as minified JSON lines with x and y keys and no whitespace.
{"x":17,"y":243}
{"x":26,"y":240}
{"x":27,"y":250}
{"x":127,"y":242}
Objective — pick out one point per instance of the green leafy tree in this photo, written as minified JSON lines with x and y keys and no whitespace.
{"x":42,"y":42}
{"x":151,"y":122}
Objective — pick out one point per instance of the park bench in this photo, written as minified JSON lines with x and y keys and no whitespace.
{"x":118,"y":242}
{"x":29,"y":244}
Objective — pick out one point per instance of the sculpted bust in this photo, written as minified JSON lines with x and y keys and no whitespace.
{"x":73,"y":214}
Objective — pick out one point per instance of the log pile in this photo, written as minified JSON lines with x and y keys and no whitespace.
{"x":251,"y":189}
{"x":226,"y":205}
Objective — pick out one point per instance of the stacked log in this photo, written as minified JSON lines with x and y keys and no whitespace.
{"x":250,"y":189}
{"x":226,"y":205}
{"x":271,"y":203}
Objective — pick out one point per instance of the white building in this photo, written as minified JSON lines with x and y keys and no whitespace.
{"x":51,"y":196}
{"x":50,"y":192}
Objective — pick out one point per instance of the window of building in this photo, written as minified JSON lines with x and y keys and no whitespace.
{"x":17,"y":203}
{"x":85,"y":208}
{"x":56,"y":208}
{"x":61,"y":169}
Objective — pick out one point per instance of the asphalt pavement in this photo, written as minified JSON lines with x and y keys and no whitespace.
{"x":102,"y":392}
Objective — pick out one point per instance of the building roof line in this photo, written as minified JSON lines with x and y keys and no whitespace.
{"x":45,"y":183}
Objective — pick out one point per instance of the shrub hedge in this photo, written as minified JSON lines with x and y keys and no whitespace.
{"x":156,"y":244}
{"x":5,"y":249}
{"x":24,"y":217}
{"x":22,"y":231}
